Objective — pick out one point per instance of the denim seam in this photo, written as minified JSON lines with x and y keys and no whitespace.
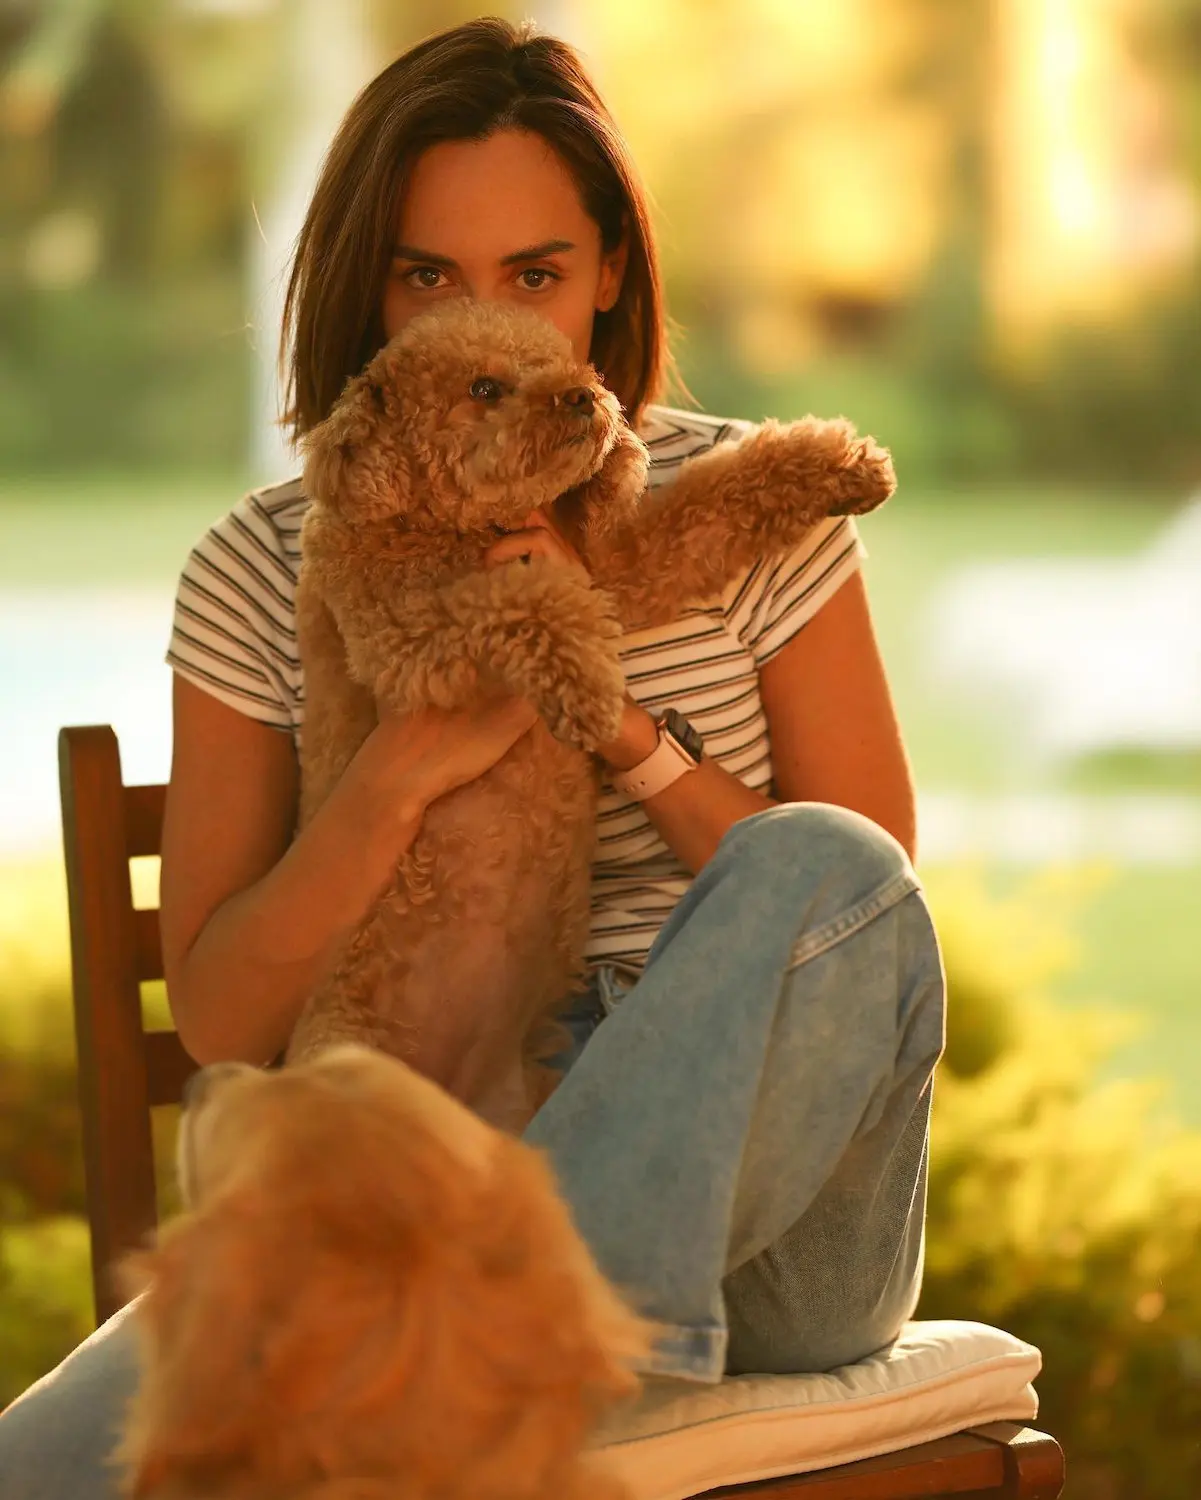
{"x":811,"y":945}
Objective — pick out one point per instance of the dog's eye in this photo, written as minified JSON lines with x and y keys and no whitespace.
{"x":486,"y":389}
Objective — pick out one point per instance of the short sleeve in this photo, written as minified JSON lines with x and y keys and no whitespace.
{"x":775,"y":600}
{"x":234,"y":631}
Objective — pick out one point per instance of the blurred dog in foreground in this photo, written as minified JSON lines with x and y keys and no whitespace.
{"x":371,"y":1293}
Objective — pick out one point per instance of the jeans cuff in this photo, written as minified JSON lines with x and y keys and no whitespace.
{"x":688,"y":1351}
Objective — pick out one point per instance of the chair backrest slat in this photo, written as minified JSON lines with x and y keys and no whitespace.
{"x":143,"y":818}
{"x":147,"y":942}
{"x":168,"y":1067}
{"x":113,"y":948}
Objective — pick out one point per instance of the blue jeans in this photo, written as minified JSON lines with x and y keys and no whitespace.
{"x":742,"y":1135}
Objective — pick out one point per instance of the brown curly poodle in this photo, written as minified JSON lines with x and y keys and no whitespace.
{"x":371,"y":1293}
{"x":472,"y":417}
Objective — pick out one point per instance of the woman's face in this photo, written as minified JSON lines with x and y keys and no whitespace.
{"x":500,"y":220}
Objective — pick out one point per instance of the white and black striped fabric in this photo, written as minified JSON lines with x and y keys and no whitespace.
{"x":234,"y":636}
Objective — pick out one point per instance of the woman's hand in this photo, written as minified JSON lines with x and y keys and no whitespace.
{"x":413,"y":759}
{"x":539,"y":536}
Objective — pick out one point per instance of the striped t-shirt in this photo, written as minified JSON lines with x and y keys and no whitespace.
{"x":234,"y":636}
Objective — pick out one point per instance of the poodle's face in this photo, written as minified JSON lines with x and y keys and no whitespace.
{"x":368,"y":1280}
{"x":473,"y":415}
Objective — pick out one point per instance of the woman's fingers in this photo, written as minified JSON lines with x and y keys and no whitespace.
{"x":535,"y":541}
{"x":519,"y":544}
{"x":447,"y":748}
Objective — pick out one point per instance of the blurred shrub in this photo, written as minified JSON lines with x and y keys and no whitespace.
{"x":45,"y":1277}
{"x":41,"y":1162}
{"x":1062,"y":1209}
{"x":45,"y":1297}
{"x":1119,"y":401}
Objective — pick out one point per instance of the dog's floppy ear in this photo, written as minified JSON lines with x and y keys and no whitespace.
{"x":353,"y":461}
{"x":610,"y":499}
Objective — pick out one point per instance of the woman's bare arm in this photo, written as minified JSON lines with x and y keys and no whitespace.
{"x":834,"y":738}
{"x":251,"y":918}
{"x":833,"y":725}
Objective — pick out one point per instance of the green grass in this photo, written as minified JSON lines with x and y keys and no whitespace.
{"x":1141,"y":949}
{"x":111,"y":530}
{"x":916,"y":540}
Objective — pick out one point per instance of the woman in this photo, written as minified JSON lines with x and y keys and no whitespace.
{"x":743,"y":1139}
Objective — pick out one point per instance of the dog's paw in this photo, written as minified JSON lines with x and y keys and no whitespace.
{"x":825,"y":467}
{"x":556,"y":645}
{"x":584,"y":707}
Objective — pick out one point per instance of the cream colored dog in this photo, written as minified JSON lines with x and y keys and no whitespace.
{"x":472,"y":417}
{"x":370,"y":1294}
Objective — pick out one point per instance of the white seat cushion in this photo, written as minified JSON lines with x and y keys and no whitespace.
{"x":680,"y":1438}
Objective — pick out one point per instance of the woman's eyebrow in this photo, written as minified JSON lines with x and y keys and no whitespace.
{"x":531,"y":252}
{"x":537,"y":252}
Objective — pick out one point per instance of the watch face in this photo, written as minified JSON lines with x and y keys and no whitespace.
{"x":683,"y":732}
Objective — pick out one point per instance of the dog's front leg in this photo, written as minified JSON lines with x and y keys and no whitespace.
{"x":733,"y":505}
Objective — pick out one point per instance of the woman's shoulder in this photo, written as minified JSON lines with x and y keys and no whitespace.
{"x":264,"y":522}
{"x":242,"y":571}
{"x":234,"y":631}
{"x":256,"y":543}
{"x":672,"y":435}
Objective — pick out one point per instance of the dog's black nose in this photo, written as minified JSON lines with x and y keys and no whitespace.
{"x":579,"y":399}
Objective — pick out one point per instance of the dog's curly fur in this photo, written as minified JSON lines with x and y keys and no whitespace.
{"x":371,"y":1293}
{"x":473,"y":416}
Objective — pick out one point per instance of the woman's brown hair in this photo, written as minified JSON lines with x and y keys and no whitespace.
{"x":462,"y":84}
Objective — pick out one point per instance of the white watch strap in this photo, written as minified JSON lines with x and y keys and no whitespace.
{"x":666,"y":763}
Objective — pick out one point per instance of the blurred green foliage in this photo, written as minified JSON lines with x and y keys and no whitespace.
{"x":1062,"y":1208}
{"x":45,"y":1280}
{"x":1108,"y":404}
{"x":108,"y":376}
{"x":121,"y":248}
{"x":139,"y":135}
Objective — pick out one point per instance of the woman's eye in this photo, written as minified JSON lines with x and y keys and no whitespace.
{"x":541,"y":272}
{"x":486,"y":389}
{"x":423,"y":272}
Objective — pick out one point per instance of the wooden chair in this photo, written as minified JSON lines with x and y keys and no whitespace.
{"x":124,"y":1071}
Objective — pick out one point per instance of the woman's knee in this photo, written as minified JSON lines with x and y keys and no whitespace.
{"x":806,"y":845}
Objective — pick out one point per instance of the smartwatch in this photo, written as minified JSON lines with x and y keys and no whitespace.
{"x":679,"y":751}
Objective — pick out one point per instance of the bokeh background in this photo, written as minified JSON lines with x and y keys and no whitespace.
{"x":974,"y":227}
